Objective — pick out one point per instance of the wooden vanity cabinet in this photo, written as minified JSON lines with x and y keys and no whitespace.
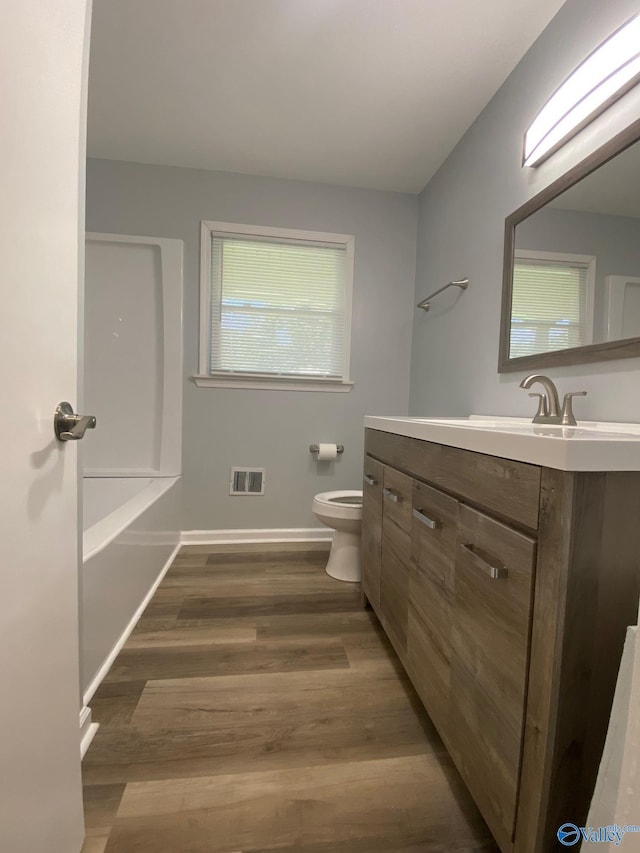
{"x":506,"y":590}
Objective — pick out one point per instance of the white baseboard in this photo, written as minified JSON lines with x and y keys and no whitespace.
{"x":87,"y":730}
{"x":276,"y":534}
{"x":115,"y":651}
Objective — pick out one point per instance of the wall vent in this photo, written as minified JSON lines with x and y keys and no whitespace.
{"x":246,"y":481}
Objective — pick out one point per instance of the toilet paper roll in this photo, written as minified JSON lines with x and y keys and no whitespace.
{"x":327,"y":451}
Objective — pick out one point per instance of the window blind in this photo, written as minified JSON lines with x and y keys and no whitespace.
{"x":549,"y":306}
{"x":277,"y":308}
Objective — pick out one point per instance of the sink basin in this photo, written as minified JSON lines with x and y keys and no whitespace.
{"x":589,"y":446}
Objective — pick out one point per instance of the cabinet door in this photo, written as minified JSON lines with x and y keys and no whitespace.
{"x":396,"y":554}
{"x":372,"y":528}
{"x":489,"y":660}
{"x":433,"y":556}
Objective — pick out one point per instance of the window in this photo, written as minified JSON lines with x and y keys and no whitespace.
{"x":275,"y":308}
{"x":552,"y":302}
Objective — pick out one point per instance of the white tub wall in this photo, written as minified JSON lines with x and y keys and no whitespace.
{"x":104,"y":495}
{"x":133,"y":355}
{"x":117,"y":579}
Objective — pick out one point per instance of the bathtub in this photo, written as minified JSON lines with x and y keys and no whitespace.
{"x":130,"y":537}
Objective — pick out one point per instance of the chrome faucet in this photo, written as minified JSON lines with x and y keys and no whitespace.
{"x":549,"y":403}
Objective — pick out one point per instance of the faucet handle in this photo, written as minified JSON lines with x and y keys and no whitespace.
{"x":543,"y":408}
{"x":568,"y":418}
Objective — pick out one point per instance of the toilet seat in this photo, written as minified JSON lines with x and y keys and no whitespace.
{"x":346,"y":503}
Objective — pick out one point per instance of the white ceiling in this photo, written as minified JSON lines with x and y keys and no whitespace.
{"x":368,"y":93}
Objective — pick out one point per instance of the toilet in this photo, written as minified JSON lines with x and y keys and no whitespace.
{"x":342,"y":511}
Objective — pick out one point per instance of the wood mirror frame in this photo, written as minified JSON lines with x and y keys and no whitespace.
{"x":609,"y":350}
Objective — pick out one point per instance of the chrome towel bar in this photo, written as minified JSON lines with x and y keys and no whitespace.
{"x":425,"y":304}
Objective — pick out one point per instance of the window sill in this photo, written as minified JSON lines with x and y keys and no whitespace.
{"x":272,"y":383}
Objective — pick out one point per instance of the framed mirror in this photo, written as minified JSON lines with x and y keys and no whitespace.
{"x":571,"y":282}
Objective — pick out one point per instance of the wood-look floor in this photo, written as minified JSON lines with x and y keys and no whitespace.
{"x":257,"y":707}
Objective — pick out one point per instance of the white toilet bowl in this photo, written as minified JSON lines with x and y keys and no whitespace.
{"x":343,"y":512}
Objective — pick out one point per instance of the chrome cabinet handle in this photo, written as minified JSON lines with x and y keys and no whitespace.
{"x":431,"y":523}
{"x":494,"y":572}
{"x":70,"y":427}
{"x":389,"y":493}
{"x":369,"y":480}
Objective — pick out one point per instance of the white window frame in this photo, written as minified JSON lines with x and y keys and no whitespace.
{"x":562,"y":257}
{"x":205,"y":379}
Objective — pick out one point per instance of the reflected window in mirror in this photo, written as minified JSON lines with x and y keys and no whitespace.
{"x":572,"y":265}
{"x":552,"y":302}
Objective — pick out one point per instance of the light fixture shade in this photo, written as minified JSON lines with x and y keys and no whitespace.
{"x":604,"y":76}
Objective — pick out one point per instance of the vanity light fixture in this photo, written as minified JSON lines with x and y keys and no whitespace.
{"x":605,"y":75}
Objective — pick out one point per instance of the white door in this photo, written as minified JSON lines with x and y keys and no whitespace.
{"x":43,"y":45}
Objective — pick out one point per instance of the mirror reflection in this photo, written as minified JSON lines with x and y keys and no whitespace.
{"x":576,"y":265}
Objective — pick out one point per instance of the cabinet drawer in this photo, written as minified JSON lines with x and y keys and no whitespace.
{"x":433,"y":556}
{"x":372,"y":528}
{"x":489,"y":658}
{"x":397,"y":492}
{"x":504,"y":487}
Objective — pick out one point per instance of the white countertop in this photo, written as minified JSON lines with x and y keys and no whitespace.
{"x":589,"y":446}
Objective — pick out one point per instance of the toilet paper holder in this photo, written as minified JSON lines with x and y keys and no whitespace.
{"x":314,"y":448}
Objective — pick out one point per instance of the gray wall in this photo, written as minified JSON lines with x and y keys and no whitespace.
{"x":461,"y":229}
{"x":614,"y":241}
{"x":273,"y":429}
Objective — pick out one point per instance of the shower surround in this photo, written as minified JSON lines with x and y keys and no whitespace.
{"x":132,"y":466}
